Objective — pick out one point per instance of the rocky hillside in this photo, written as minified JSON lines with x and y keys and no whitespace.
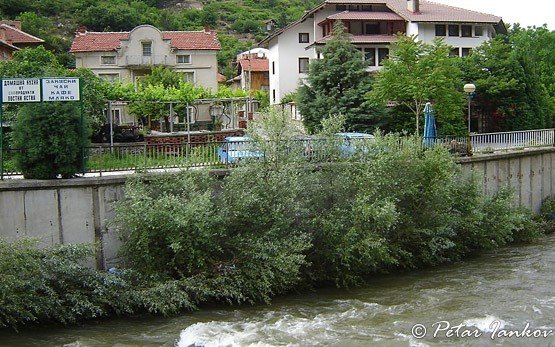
{"x":240,"y":23}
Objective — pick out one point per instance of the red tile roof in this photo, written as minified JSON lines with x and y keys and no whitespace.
{"x":97,"y":42}
{"x":110,"y":41}
{"x":7,"y":45}
{"x":15,"y":36}
{"x":429,"y":11}
{"x":255,"y":65}
{"x":205,"y":40}
{"x":355,"y":15}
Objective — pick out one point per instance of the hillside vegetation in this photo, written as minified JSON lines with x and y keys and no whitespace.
{"x":240,"y":23}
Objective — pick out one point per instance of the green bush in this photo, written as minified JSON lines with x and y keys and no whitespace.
{"x":41,"y":286}
{"x":281,"y":222}
{"x":50,"y":139}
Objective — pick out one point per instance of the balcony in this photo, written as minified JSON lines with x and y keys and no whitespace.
{"x":366,"y":23}
{"x":141,"y":61}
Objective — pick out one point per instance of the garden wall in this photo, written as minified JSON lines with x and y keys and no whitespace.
{"x":81,"y":210}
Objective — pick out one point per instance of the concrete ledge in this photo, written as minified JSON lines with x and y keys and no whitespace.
{"x":23,"y":184}
{"x":505,"y":155}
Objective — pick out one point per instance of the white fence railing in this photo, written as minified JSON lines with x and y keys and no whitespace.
{"x":512,"y":140}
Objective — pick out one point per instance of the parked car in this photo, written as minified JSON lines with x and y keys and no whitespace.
{"x":237,"y":148}
{"x":352,"y":142}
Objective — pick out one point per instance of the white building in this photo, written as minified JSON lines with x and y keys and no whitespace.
{"x":372,"y":25}
{"x":127,"y":56}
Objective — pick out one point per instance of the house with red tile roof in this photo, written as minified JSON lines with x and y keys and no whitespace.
{"x":12,"y":39}
{"x":128,"y":56}
{"x":372,"y":25}
{"x":253,"y":70}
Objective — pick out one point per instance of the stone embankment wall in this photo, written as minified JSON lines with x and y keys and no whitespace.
{"x":82,"y":210}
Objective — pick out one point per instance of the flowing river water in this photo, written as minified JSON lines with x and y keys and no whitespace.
{"x":510,"y":291}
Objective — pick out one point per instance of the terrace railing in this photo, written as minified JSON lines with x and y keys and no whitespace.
{"x":512,"y":140}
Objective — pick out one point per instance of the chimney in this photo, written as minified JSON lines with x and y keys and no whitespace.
{"x":413,"y":6}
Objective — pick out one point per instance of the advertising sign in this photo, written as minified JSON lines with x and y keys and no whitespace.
{"x":60,"y":89}
{"x":21,"y":90}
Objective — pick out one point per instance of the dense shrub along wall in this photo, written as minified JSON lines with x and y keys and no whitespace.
{"x":279,"y":224}
{"x":270,"y":227}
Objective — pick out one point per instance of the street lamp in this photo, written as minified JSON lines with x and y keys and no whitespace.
{"x":469,"y":88}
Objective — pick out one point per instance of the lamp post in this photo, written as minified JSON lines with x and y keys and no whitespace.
{"x":469,"y":88}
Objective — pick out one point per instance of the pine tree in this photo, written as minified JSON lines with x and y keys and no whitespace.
{"x":337,"y":84}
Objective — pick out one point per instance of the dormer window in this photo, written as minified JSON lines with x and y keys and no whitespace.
{"x":147,"y":49}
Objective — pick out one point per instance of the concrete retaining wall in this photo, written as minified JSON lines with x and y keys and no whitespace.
{"x":63,"y":212}
{"x":82,"y":210}
{"x":529,"y":173}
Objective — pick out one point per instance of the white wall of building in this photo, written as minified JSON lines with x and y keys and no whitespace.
{"x":427,"y":33}
{"x":287,"y":76}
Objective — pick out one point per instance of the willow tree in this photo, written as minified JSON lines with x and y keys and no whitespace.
{"x":336,"y":84}
{"x":417,"y":73}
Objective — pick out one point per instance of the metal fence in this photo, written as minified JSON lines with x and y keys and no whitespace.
{"x":482,"y":143}
{"x":138,"y":157}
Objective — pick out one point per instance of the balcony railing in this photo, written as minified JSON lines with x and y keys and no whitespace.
{"x":140,"y":60}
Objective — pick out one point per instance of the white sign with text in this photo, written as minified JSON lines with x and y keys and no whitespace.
{"x":60,"y":89}
{"x":21,"y":90}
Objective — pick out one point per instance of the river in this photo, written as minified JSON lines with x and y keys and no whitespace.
{"x":492,"y":295}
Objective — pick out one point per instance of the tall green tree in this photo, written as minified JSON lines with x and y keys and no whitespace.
{"x":507,"y":75}
{"x":417,"y":73}
{"x":336,"y":84}
{"x":51,"y":137}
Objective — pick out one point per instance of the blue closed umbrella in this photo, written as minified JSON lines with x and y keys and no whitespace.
{"x":430,"y":132}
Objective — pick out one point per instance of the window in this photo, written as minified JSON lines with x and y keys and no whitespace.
{"x":383,"y":53}
{"x":184,"y":59}
{"x":274,"y":96}
{"x":273,"y":68}
{"x":370,"y":56}
{"x":147,"y":49}
{"x":478,"y":30}
{"x":466,"y":30}
{"x":341,"y":7}
{"x":354,"y":8}
{"x":454,"y":30}
{"x":372,"y":28}
{"x":303,"y":65}
{"x":454,"y":52}
{"x":304,"y":38}
{"x":189,"y":76}
{"x":108,"y":60}
{"x":466,"y":52}
{"x":441,"y":30}
{"x":110,"y":77}
{"x":367,"y":8}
